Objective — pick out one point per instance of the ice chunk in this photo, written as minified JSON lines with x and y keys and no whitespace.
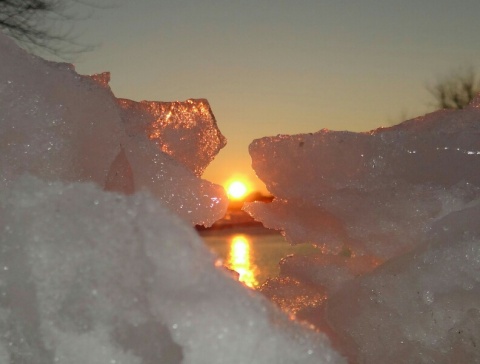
{"x":416,"y":151}
{"x":88,"y":276}
{"x":59,"y":125}
{"x":185,"y":130}
{"x":373,"y":193}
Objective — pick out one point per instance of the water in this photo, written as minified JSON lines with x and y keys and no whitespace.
{"x":254,"y":253}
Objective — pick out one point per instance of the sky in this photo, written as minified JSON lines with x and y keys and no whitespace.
{"x":281,"y":67}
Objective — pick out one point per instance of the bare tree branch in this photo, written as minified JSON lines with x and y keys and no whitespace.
{"x":42,"y":24}
{"x":456,"y":90}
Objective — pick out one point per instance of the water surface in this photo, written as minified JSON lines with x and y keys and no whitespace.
{"x":254,"y":253}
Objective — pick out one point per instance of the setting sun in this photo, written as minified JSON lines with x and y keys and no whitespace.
{"x":237,"y":189}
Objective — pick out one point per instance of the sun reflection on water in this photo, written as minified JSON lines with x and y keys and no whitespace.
{"x":240,"y":260}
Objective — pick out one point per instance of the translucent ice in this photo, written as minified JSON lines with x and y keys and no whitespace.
{"x":395,"y":215}
{"x":88,"y":276}
{"x":59,"y":125}
{"x":185,"y":130}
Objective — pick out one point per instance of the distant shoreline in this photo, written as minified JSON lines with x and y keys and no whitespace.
{"x":254,"y":229}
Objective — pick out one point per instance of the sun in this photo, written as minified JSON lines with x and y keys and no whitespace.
{"x":237,"y":189}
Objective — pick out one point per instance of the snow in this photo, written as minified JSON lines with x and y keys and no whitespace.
{"x":98,"y":277}
{"x":99,"y":262}
{"x":395,"y":214}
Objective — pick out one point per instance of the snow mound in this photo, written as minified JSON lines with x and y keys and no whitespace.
{"x":89,"y":276}
{"x":395,"y":215}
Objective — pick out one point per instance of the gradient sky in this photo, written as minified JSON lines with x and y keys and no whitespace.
{"x":282,"y":67}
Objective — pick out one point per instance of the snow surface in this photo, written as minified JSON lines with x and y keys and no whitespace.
{"x":95,"y":266}
{"x":395,"y":214}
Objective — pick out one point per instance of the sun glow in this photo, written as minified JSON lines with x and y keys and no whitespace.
{"x":237,"y":189}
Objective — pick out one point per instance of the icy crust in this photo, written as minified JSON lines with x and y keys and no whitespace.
{"x":395,"y":214}
{"x":59,"y":125}
{"x":88,"y":276}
